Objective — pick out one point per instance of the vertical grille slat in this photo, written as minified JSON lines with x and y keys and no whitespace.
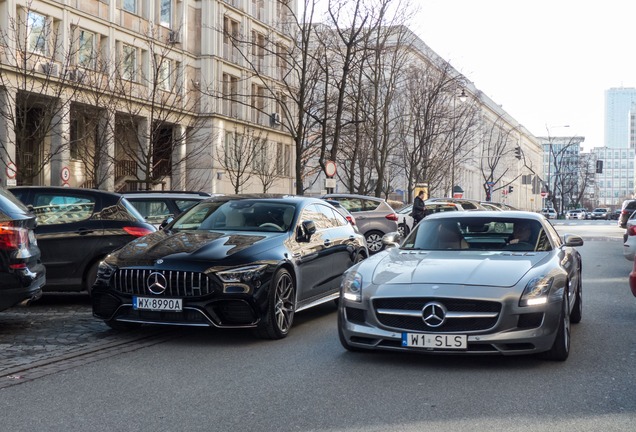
{"x":179,"y":283}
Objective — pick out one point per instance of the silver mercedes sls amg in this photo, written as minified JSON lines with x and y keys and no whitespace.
{"x":459,"y":284}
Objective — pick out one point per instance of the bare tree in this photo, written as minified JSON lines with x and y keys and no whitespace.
{"x":562,"y":178}
{"x":240,"y":156}
{"x":36,"y":88}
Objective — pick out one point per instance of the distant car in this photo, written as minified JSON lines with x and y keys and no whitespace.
{"x":510,"y":297}
{"x":230,"y":262}
{"x":157,"y":206}
{"x":77,"y":228}
{"x":405,"y":220}
{"x":601,"y":213}
{"x":22,"y":274}
{"x":435,"y":205}
{"x":499,"y":205}
{"x":575,"y":214}
{"x":627,"y":209}
{"x":549,"y":213}
{"x":374,"y":217}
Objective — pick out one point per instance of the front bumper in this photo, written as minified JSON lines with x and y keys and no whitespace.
{"x":515,"y":331}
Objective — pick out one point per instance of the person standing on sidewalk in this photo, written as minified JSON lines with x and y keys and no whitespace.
{"x":419,"y":210}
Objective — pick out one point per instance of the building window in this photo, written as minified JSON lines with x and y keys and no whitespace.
{"x":129,"y":5}
{"x":163,"y":75}
{"x":86,"y":51}
{"x":36,"y":30}
{"x":166,"y":13}
{"x":286,"y":161}
{"x":230,"y":95}
{"x":129,"y":63}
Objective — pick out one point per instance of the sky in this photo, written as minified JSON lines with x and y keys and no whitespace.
{"x":546,"y":62}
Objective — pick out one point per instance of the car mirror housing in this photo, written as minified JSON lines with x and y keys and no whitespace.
{"x":391,"y":239}
{"x":572,"y":240}
{"x":166,"y":222}
{"x":308,"y":228}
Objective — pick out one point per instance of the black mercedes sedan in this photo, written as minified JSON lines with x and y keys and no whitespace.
{"x":231,"y":262}
{"x":22,"y":274}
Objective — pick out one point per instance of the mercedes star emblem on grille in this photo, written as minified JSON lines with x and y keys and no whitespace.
{"x":156,"y":283}
{"x":434,"y":314}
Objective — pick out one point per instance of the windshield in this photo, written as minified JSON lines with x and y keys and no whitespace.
{"x":487,"y":234}
{"x":238,"y":215}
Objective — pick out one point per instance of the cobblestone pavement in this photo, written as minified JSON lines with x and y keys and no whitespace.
{"x":59,"y":332}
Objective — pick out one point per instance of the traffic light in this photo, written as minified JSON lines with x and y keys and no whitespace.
{"x":510,"y":189}
{"x":518,"y":152}
{"x":599,"y":167}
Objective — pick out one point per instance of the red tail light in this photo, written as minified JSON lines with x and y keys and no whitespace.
{"x":11,"y":237}
{"x":392,"y":217}
{"x":631,"y":230}
{"x":351,"y":220}
{"x":137,"y":231}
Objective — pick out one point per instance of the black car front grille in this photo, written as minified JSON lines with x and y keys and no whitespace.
{"x":405,"y":314}
{"x":178,"y":283}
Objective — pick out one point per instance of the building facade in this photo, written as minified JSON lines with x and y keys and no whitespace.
{"x":136,"y":94}
{"x":616,"y":181}
{"x":620,"y":107}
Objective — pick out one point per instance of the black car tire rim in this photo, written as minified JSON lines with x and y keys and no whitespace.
{"x":284,"y":302}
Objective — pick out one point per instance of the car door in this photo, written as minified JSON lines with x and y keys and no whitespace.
{"x":67,"y":233}
{"x":313,"y":255}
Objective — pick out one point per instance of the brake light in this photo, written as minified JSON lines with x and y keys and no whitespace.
{"x":631,"y":230}
{"x":392,"y":217}
{"x":137,"y":231}
{"x":351,"y":220}
{"x":11,"y":237}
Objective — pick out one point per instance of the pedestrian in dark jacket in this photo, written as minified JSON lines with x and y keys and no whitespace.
{"x":419,"y":210}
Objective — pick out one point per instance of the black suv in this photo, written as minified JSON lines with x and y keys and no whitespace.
{"x":77,"y":228}
{"x":628,"y":207}
{"x":22,"y":274}
{"x":158,"y":206}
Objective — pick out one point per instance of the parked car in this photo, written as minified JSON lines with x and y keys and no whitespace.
{"x":549,"y":213}
{"x":459,"y":203}
{"x":344,"y":212}
{"x":632,"y":280}
{"x":411,"y":297}
{"x":629,"y":238}
{"x":22,"y":274}
{"x":157,"y":206}
{"x":434,"y":205}
{"x":77,"y":228}
{"x":374,"y":217}
{"x":231,"y":262}
{"x":405,"y":220}
{"x":627,"y":209}
{"x":578,"y":214}
{"x":601,"y":213}
{"x":501,"y":206}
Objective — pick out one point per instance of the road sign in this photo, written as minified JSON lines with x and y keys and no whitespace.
{"x":11,"y":170}
{"x":65,"y":174}
{"x":544,"y":194}
{"x":330,"y":168}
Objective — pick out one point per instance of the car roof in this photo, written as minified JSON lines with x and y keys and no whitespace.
{"x":476,"y":214}
{"x":344,"y":195}
{"x":64,"y":189}
{"x":168,"y":193}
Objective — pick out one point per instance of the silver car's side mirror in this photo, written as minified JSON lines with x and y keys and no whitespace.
{"x":572,"y":240}
{"x":391,"y":239}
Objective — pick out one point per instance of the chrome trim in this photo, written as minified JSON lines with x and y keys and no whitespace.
{"x":182,"y":284}
{"x":418,"y":313}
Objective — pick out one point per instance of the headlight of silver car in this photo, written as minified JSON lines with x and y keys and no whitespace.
{"x":536,"y":292}
{"x":352,"y":286}
{"x":242,"y":274}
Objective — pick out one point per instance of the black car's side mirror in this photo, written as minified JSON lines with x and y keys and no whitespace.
{"x":307,"y":229}
{"x":166,"y":222}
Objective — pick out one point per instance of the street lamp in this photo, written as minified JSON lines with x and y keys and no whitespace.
{"x":462,"y":98}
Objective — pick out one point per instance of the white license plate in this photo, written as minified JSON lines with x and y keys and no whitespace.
{"x":157,"y":304}
{"x":435,"y":341}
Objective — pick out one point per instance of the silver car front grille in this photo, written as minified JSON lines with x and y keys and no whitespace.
{"x":177,"y":283}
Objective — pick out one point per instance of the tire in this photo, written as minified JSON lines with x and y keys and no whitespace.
{"x":561,"y":347}
{"x":404,"y":230}
{"x":279,"y":316}
{"x":577,"y":309}
{"x":91,"y":276}
{"x":122,"y":326}
{"x":374,"y":241}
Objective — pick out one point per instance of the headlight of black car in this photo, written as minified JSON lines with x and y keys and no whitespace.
{"x":537,"y":291}
{"x":105,"y":270}
{"x":242,"y":274}
{"x":352,"y":286}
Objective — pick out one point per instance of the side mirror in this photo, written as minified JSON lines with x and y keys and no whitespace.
{"x":307,"y":228}
{"x":572,"y":240}
{"x":166,"y":222}
{"x":391,"y":239}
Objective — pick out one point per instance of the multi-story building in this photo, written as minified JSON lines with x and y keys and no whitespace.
{"x":131,"y":93}
{"x":616,"y":182}
{"x":562,"y":169}
{"x":620,"y":109}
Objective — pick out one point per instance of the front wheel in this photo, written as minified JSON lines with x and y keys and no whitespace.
{"x":374,"y":241}
{"x":561,"y":347}
{"x":280,"y":307}
{"x":577,"y":309}
{"x":91,"y":276}
{"x":403,"y":229}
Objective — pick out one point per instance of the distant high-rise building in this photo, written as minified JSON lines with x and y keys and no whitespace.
{"x":620,"y":109}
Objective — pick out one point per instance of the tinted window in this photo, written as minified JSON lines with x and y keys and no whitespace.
{"x":152,"y":211}
{"x":10,"y":204}
{"x":370,"y":205}
{"x":57,"y":208}
{"x":351,"y":204}
{"x":183,"y":204}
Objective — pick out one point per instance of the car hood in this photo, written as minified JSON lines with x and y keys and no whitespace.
{"x":206,"y":246}
{"x":494,"y":268}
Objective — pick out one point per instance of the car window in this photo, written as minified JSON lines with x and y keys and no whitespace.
{"x":351,"y":204}
{"x":58,"y":208}
{"x":370,"y":205}
{"x":184,"y":204}
{"x":152,"y":211}
{"x":468,"y":206}
{"x":14,"y":205}
{"x":315,"y":213}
